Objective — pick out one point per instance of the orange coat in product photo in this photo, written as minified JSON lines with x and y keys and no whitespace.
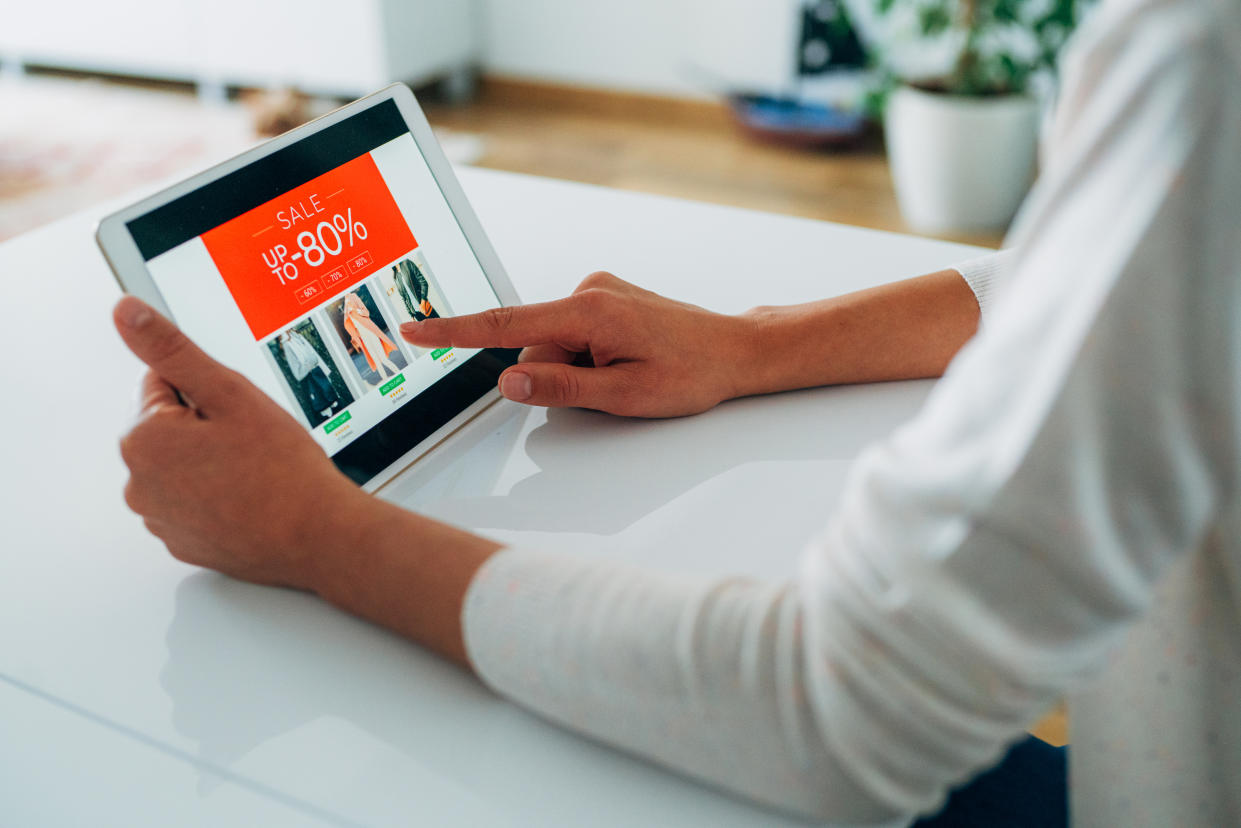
{"x":357,"y":320}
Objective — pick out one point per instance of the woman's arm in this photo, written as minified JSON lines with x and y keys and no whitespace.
{"x":615,"y":347}
{"x":904,"y":330}
{"x":204,"y":481}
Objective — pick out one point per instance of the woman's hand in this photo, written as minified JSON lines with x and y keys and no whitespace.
{"x":610,"y":346}
{"x":233,"y":483}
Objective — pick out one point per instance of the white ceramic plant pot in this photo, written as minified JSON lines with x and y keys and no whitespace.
{"x":960,"y":163}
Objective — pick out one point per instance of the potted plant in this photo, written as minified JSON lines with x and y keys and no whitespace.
{"x":961,"y":103}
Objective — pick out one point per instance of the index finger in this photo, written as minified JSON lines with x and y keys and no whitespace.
{"x":561,"y":322}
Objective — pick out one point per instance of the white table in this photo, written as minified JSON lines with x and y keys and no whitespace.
{"x":135,"y":690}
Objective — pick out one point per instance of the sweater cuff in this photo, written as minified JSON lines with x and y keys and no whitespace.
{"x":985,"y":275}
{"x":503,"y":613}
{"x":513,"y":618}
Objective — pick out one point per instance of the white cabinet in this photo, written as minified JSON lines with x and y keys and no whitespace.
{"x":341,"y":47}
{"x":124,"y":36}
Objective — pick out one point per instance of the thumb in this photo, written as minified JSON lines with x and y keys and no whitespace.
{"x":168,"y":351}
{"x":558,"y":385}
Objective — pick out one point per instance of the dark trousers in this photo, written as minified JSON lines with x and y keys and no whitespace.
{"x":1028,"y":789}
{"x":319,"y":390}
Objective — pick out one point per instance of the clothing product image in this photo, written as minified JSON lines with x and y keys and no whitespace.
{"x":310,"y":375}
{"x":415,"y":290}
{"x":366,"y":335}
{"x":319,"y":391}
{"x":301,"y":355}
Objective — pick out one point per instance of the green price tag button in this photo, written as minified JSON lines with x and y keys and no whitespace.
{"x":337,"y":422}
{"x":436,"y":354}
{"x":395,"y":382}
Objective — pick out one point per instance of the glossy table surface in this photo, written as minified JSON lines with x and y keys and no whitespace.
{"x":136,"y":690}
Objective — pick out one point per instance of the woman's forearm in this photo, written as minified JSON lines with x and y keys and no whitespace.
{"x":904,"y":330}
{"x":400,"y":570}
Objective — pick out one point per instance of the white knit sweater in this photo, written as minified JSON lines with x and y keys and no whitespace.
{"x":1062,"y":517}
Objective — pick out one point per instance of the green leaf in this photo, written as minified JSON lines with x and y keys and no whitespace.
{"x":1006,"y":11}
{"x":934,"y":20}
{"x":978,"y":73}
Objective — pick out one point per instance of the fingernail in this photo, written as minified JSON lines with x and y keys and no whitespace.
{"x":134,"y":313}
{"x":516,"y":386}
{"x":409,"y":327}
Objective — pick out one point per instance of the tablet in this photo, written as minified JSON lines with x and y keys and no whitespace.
{"x":296,"y":262}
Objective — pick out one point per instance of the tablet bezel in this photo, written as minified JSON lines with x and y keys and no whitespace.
{"x":129,"y":267}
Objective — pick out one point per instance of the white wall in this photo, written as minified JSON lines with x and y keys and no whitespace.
{"x":683,"y":48}
{"x":688,"y":48}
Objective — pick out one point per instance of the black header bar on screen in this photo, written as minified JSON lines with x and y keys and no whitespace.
{"x":211,"y":205}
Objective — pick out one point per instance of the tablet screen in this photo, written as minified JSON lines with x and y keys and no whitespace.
{"x":298,"y":270}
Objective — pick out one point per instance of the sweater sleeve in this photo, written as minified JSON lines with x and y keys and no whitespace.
{"x":703,"y":677}
{"x":989,"y":554}
{"x":985,"y":276}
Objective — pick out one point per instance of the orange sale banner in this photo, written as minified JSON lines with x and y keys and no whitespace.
{"x":294,"y":252}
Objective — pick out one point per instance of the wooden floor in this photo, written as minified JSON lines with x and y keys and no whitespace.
{"x":680,"y":148}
